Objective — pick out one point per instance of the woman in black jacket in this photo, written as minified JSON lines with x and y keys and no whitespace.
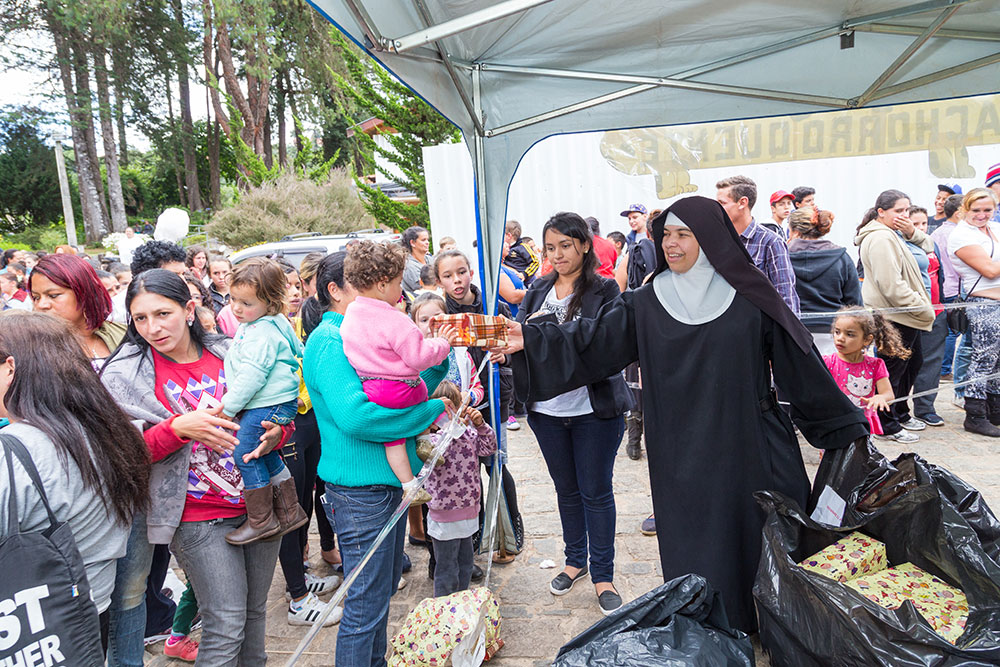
{"x":825,"y":277}
{"x":579,"y":431}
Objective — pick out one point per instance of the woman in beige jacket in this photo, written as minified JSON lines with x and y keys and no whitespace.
{"x":892,"y":280}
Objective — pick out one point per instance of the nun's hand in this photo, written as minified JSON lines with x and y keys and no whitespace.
{"x":515,"y":339}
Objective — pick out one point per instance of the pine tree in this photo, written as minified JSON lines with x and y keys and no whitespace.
{"x":378,"y":95}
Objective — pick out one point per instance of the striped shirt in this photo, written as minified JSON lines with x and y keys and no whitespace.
{"x":770,"y":254}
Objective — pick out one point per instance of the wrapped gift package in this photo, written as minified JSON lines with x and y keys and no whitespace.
{"x":847,"y":558}
{"x":474,"y":330}
{"x":448,"y":631}
{"x":943,"y":606}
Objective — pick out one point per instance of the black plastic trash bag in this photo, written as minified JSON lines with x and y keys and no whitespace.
{"x":866,"y":480}
{"x":808,"y":620}
{"x":682,"y":622}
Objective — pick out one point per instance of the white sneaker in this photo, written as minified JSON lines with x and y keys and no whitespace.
{"x":311,"y":607}
{"x":319,"y":585}
{"x":401,"y":585}
{"x":904,"y":437}
{"x":513,"y":424}
{"x":913,"y":424}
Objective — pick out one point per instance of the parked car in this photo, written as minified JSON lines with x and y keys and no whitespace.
{"x":294,"y":247}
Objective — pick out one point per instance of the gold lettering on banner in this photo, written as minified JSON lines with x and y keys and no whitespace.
{"x":944,"y":129}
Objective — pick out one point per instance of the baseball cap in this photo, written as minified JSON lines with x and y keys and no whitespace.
{"x":950,"y":188}
{"x":781,"y":194}
{"x":634,"y":208}
{"x":993,"y":175}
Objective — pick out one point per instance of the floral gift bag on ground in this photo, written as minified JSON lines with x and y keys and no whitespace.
{"x":460,"y":629}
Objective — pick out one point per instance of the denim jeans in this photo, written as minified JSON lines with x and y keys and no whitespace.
{"x":580,"y":455}
{"x":963,"y":357}
{"x":902,"y":375}
{"x":929,"y":376}
{"x":127,"y":623}
{"x":232,"y":584}
{"x":358,"y":515}
{"x":257,"y":473}
{"x":949,"y":342}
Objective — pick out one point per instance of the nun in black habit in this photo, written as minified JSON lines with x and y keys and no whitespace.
{"x":708,"y":330}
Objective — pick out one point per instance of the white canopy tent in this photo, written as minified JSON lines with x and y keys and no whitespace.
{"x":511,"y":73}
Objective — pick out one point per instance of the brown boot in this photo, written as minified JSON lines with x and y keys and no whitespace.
{"x":289,"y":513}
{"x":261,"y":522}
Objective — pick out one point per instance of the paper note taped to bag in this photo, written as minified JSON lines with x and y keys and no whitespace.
{"x":474,"y":330}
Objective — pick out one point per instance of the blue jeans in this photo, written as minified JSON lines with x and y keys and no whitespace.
{"x":949,"y":343}
{"x":929,"y":376}
{"x":257,"y":473}
{"x":127,"y":624}
{"x":580,"y":455}
{"x":963,"y":357}
{"x":358,"y":515}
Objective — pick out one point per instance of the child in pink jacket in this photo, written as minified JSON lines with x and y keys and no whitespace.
{"x":383,"y":345}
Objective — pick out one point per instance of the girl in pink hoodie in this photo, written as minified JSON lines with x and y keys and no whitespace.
{"x":383,"y":345}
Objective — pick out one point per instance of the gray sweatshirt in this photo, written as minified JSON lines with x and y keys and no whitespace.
{"x":100,"y":539}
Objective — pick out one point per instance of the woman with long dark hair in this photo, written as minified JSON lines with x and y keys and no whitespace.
{"x":92,"y":462}
{"x":579,"y":431}
{"x":67,"y":286}
{"x":168,"y":375}
{"x":893,"y":280}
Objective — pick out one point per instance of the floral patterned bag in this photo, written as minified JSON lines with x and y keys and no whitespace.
{"x":460,"y":629}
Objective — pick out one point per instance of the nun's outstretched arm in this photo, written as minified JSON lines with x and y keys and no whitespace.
{"x":556,"y":358}
{"x":826,"y":417}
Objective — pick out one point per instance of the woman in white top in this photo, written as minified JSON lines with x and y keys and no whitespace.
{"x":974,"y":248}
{"x":579,"y":431}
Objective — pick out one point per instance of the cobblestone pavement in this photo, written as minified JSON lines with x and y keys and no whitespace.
{"x":536,"y":623}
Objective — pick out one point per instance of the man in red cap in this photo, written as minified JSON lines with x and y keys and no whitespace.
{"x":782,"y":204}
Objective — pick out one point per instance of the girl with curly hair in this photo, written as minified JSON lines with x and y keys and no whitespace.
{"x":864,"y":378}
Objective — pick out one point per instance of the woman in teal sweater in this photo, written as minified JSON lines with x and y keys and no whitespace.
{"x":361,"y":488}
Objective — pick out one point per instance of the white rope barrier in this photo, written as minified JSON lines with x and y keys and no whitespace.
{"x":901,"y":309}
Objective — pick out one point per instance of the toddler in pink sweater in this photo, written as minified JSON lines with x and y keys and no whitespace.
{"x":383,"y":345}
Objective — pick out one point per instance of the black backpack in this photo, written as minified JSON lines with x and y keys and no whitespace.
{"x":52,"y":621}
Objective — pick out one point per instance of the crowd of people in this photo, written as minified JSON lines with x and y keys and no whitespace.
{"x":266,"y":394}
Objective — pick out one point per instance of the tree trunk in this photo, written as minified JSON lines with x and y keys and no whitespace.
{"x":187,"y":125}
{"x":214,"y":145}
{"x":279,"y":110}
{"x":119,"y":72}
{"x":181,"y":195}
{"x":81,"y":66}
{"x":117,"y":199}
{"x":268,"y":153}
{"x":88,"y":193}
{"x":295,"y":110}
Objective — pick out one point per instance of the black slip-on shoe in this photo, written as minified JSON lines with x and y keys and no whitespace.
{"x":562,"y":583}
{"x":609,"y":602}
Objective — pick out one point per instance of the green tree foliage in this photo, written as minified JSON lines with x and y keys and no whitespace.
{"x":288,"y":205}
{"x":29,"y":184}
{"x":376,"y":94}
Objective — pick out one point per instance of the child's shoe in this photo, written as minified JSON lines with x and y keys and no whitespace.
{"x":422,"y":496}
{"x":425,"y":449}
{"x":261,"y":522}
{"x":289,"y":513}
{"x":182,"y":648}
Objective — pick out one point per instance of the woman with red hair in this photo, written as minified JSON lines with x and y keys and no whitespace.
{"x":68,"y":287}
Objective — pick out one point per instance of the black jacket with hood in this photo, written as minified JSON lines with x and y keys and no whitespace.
{"x":825,"y":280}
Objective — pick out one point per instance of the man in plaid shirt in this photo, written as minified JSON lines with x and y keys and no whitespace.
{"x":738,"y":194}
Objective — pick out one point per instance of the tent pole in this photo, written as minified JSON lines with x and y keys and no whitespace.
{"x":890,"y":29}
{"x":460,"y":24}
{"x":450,"y":67}
{"x":852,"y":24}
{"x":572,"y":108}
{"x":934,"y":77}
{"x":364,"y":19}
{"x":914,"y":46}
